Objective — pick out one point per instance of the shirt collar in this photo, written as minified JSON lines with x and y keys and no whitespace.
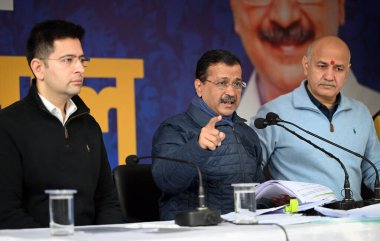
{"x":54,"y":110}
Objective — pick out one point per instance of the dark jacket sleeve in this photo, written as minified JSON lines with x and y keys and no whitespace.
{"x":172,"y":140}
{"x":12,"y":213}
{"x":106,"y":202}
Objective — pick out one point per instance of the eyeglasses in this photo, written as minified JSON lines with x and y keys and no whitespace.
{"x":223,"y":85}
{"x":263,"y":3}
{"x":71,"y":60}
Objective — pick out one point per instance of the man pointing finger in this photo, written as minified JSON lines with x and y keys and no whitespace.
{"x":211,"y":134}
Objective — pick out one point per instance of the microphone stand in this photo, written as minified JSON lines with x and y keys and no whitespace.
{"x":347,"y":202}
{"x":202,"y":215}
{"x":376,"y":198}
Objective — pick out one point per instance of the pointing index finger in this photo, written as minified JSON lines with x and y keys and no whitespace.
{"x":212,"y":122}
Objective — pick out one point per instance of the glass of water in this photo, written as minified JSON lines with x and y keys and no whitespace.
{"x":61,"y":211}
{"x":245,"y":203}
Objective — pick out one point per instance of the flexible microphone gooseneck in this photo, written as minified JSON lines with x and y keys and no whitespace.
{"x":347,"y":202}
{"x":202,"y":215}
{"x":274,"y":118}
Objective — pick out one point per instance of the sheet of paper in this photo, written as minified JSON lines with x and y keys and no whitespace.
{"x":367,"y":211}
{"x":247,"y":217}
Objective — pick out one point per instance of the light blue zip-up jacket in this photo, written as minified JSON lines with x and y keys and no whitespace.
{"x":290,"y":158}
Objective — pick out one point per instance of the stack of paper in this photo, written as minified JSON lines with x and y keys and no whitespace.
{"x":309,"y":195}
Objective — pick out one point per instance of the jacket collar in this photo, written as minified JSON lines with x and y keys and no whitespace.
{"x":301,"y":100}
{"x":202,"y":118}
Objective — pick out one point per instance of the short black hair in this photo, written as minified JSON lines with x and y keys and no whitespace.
{"x":212,"y":57}
{"x":41,"y":39}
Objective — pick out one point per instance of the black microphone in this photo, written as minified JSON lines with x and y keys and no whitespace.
{"x":273,"y":118}
{"x":132,"y":160}
{"x":261,"y":123}
{"x":201,"y":216}
{"x":347,"y":202}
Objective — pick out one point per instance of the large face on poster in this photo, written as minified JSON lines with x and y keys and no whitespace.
{"x":275,"y":36}
{"x":144,"y":53}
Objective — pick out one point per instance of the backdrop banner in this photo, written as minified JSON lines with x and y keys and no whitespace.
{"x":144,"y":52}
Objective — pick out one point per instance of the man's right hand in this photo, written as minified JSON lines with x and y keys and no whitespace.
{"x":210,"y":137}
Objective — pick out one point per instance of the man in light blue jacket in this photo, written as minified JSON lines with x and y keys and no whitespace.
{"x":318,"y":106}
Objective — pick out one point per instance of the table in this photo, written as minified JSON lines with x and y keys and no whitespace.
{"x":337,"y":229}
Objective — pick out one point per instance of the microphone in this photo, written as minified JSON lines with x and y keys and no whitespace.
{"x":273,"y":118}
{"x":202,"y":215}
{"x":347,"y":202}
{"x":261,"y":123}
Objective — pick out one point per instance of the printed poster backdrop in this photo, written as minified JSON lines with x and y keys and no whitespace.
{"x":143,"y":56}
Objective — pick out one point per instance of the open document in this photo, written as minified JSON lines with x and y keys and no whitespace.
{"x":309,"y":195}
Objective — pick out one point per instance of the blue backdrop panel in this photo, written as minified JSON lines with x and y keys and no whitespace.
{"x":170,"y":36}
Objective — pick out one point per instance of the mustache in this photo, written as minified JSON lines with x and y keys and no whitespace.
{"x":228,"y":99}
{"x":328,"y":83}
{"x":294,"y":34}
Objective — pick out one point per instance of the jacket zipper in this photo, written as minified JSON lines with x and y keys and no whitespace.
{"x":331,"y":127}
{"x":72,"y":117}
{"x":240,"y":155}
{"x":64,"y":126}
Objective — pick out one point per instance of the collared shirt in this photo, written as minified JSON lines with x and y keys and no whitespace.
{"x":328,"y":113}
{"x":70,"y":108}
